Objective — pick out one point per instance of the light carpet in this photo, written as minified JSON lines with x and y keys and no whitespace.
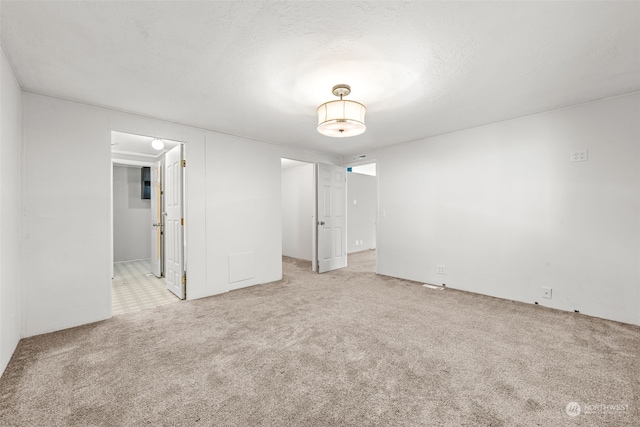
{"x":345,"y":348}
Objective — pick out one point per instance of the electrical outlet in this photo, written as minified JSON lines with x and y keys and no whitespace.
{"x":360,"y":242}
{"x":546,"y":293}
{"x":440,"y":269}
{"x":357,"y":242}
{"x":579,"y":156}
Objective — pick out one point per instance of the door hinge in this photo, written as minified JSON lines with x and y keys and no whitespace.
{"x":181,"y":221}
{"x":184,"y":163}
{"x":184,"y":279}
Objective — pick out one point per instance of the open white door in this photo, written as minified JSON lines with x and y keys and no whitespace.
{"x":173,"y":223}
{"x":156,"y":221}
{"x":332,"y":222}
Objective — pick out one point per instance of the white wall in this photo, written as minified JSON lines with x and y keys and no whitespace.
{"x":67,"y":228}
{"x":131,"y":216}
{"x":10,"y":217}
{"x":232,"y":221}
{"x":297,"y":211}
{"x":506,"y":212}
{"x":242,"y":213}
{"x":361,"y":212}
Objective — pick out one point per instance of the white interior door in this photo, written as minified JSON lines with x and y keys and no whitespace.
{"x":331,"y":219}
{"x":156,"y":221}
{"x":173,"y":223}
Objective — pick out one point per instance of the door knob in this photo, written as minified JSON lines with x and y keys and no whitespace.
{"x":321,"y":223}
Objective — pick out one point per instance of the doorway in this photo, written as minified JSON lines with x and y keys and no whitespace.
{"x":314,"y":227}
{"x":298,"y":210}
{"x":140,"y":217}
{"x":362,"y":213}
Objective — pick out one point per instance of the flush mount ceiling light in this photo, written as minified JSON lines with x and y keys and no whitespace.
{"x":157,"y":144}
{"x":341,"y":118}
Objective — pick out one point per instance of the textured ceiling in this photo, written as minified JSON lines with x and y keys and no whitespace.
{"x":260,"y":69}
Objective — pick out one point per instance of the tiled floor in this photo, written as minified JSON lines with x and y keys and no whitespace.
{"x":135,"y":288}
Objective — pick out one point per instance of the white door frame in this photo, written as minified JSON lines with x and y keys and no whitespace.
{"x":314,"y":220}
{"x":144,"y":164}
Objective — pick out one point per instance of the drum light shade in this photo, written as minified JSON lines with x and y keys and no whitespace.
{"x":341,"y":118}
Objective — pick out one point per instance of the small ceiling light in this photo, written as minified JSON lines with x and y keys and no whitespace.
{"x":341,"y":118}
{"x":157,"y":144}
